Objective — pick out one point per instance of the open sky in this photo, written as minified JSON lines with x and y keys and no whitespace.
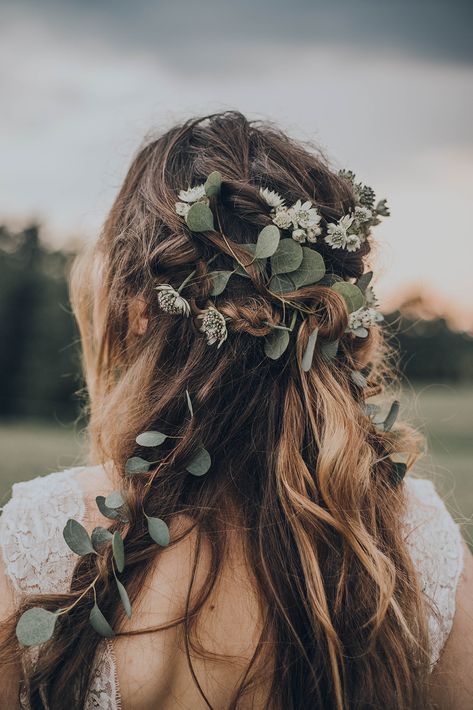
{"x":384,"y":86}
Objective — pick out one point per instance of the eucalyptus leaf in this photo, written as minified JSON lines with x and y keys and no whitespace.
{"x":287,"y":257}
{"x":330,"y":350}
{"x":124,"y":598}
{"x":114,"y":500}
{"x":352,"y":295}
{"x":99,"y":623}
{"x":308,"y":356}
{"x":392,"y":416}
{"x":276,"y":343}
{"x":330,"y":279}
{"x":105,"y":510}
{"x":189,"y":403}
{"x":219,"y":281}
{"x":35,"y":626}
{"x":100,"y":536}
{"x":151,"y":438}
{"x":358,"y":378}
{"x":77,"y":538}
{"x":213,"y":184}
{"x":200,"y":464}
{"x":311,"y":270}
{"x":281,"y":283}
{"x":267,"y":242}
{"x":364,"y":281}
{"x":118,"y":551}
{"x":136,"y":465}
{"x":200,"y":218}
{"x":158,"y":531}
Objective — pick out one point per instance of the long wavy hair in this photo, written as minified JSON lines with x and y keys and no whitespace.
{"x":295,"y":457}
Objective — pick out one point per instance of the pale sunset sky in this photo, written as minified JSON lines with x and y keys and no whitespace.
{"x":385,"y":87}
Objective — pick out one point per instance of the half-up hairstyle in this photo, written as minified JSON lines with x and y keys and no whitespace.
{"x":294,"y":453}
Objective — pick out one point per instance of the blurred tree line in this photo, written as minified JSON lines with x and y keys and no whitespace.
{"x":39,"y":351}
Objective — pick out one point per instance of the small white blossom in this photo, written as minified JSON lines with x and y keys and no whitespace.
{"x":283,"y":219}
{"x":272,"y":198}
{"x":299,"y":235}
{"x":192,"y":194}
{"x":213,"y":326}
{"x":364,"y":318}
{"x":362,"y":215}
{"x":337,"y":233}
{"x":171,"y":300}
{"x":313,"y":233}
{"x":182,"y":208}
{"x":353,"y":242}
{"x":305,"y":215}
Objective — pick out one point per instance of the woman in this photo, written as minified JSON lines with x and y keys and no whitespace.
{"x":247,"y":538}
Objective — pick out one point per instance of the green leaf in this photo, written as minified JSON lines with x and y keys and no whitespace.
{"x":281,"y":283}
{"x":213,"y":184}
{"x":189,"y":403}
{"x":352,"y":295}
{"x":392,"y":416}
{"x":364,"y":281}
{"x":114,"y":500}
{"x":330,"y":350}
{"x":358,"y":378}
{"x":200,"y":218}
{"x":35,"y":626}
{"x":136,"y":465}
{"x":77,"y":538}
{"x":200,"y":464}
{"x":158,"y":531}
{"x":151,"y":438}
{"x":309,"y":351}
{"x":267,"y":242}
{"x":118,"y":551}
{"x":100,"y":536}
{"x":330,"y":279}
{"x":287,"y":258}
{"x":311,"y":270}
{"x":124,"y":598}
{"x":276,"y":343}
{"x":105,"y":510}
{"x":99,"y":623}
{"x":219,"y":281}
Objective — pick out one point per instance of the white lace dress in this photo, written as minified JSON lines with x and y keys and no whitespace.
{"x":37,"y":559}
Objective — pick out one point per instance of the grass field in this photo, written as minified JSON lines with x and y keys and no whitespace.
{"x":444,"y":413}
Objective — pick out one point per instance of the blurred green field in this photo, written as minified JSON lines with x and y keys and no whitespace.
{"x":443,"y":412}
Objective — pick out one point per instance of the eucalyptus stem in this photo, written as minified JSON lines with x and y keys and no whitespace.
{"x":91,"y":586}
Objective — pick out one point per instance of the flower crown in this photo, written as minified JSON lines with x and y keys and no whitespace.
{"x":291,"y":266}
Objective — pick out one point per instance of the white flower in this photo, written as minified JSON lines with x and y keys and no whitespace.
{"x":364,"y":318}
{"x":353,"y":242}
{"x":305,"y":215}
{"x":370,"y":298}
{"x":192,"y":194}
{"x":313,"y":233}
{"x":337,"y":233}
{"x":171,"y":300}
{"x":182,"y":208}
{"x":299,"y":235}
{"x":213,"y":326}
{"x":283,"y":218}
{"x":362,"y":215}
{"x":272,"y":198}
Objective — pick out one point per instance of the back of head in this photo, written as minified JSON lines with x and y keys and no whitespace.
{"x":254,"y":365}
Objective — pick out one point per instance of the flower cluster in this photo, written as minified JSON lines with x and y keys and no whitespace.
{"x":171,"y":301}
{"x":188,"y":197}
{"x":213,"y":326}
{"x":362,"y":319}
{"x":302,"y":218}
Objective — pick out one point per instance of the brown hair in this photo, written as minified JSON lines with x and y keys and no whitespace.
{"x":293,"y":452}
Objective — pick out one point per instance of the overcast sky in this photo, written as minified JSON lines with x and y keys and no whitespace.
{"x":384,"y":86}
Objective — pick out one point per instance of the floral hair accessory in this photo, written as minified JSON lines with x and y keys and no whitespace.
{"x":213,"y":326}
{"x":302,"y":218}
{"x":171,"y":301}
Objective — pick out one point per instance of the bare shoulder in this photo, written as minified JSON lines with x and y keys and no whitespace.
{"x":226,"y":633}
{"x":452,"y":677}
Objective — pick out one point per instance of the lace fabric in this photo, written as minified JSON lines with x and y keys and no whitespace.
{"x":37,"y":560}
